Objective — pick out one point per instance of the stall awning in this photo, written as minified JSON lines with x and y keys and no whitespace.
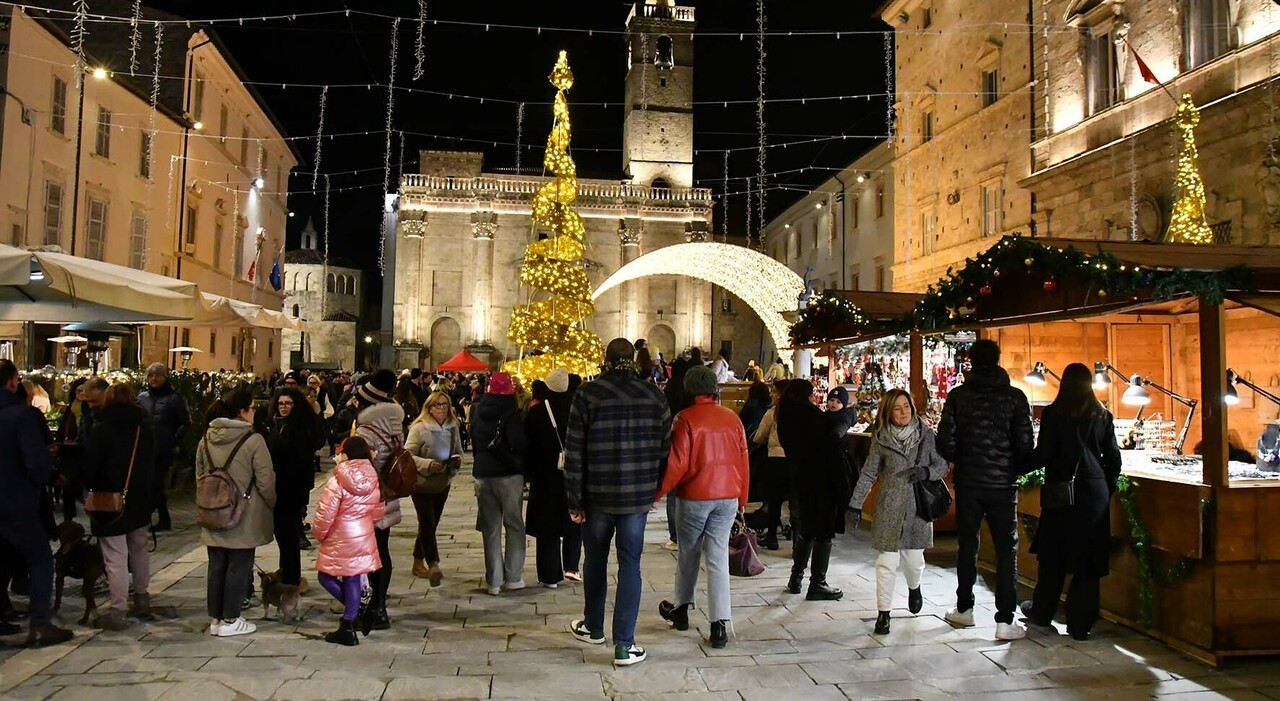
{"x":216,"y":310}
{"x":58,"y":288}
{"x":1022,"y":280}
{"x":463,"y":362}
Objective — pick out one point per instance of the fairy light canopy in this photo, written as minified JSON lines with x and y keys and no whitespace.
{"x":767,"y":286}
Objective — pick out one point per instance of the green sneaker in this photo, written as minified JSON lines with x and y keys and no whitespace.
{"x":579,"y":630}
{"x":627,"y":655}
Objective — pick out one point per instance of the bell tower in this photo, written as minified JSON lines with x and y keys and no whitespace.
{"x":657,"y":134}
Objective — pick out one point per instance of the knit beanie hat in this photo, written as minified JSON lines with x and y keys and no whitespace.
{"x":557,"y":380}
{"x":379,"y":387}
{"x":500,"y":384}
{"x":700,"y":380}
{"x":839,"y":394}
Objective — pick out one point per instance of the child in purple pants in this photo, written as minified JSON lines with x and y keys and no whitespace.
{"x":349,"y":506}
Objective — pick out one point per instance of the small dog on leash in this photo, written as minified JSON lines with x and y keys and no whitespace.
{"x":284,"y":597}
{"x":78,"y":557}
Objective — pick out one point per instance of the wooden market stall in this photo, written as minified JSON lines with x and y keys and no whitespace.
{"x":1196,"y":560}
{"x":858,"y":317}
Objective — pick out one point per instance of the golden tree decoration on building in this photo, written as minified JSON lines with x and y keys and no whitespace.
{"x":551,"y":327}
{"x":1188,"y":223}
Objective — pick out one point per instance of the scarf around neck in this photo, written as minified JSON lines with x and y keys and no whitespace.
{"x":905,"y":438}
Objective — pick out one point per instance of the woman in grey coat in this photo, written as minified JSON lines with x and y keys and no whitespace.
{"x":232,"y":443}
{"x":903,"y":452}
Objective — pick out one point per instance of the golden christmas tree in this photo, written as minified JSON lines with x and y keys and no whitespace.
{"x":551,"y":327}
{"x":1188,"y":224}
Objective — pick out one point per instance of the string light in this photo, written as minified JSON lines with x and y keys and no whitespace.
{"x":400,"y":164}
{"x":135,"y":38}
{"x":760,"y":128}
{"x":519,"y":134}
{"x":555,"y":325}
{"x":315,"y":174}
{"x":386,"y":159}
{"x":724,"y":202}
{"x":1133,"y":189}
{"x":419,"y":52}
{"x":1187,"y":225}
{"x":747,"y":224}
{"x":764,"y":284}
{"x":151,"y":136}
{"x":888,"y":83}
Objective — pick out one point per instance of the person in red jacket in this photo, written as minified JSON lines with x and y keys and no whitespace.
{"x":707,"y":469}
{"x":349,"y":507}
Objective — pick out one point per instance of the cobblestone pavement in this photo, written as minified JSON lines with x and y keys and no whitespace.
{"x":456,"y":642}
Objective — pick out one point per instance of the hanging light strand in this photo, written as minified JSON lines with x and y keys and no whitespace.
{"x":724,"y":202}
{"x":760,"y":126}
{"x":315,"y":174}
{"x":151,"y":133}
{"x":747,"y":225}
{"x":1133,"y":188}
{"x":888,"y":84}
{"x":386,"y":160}
{"x":419,"y":43}
{"x":135,"y":38}
{"x":519,"y":134}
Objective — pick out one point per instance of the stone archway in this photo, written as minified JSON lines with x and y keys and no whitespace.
{"x":446,"y":340}
{"x":662,"y":340}
{"x":767,"y":286}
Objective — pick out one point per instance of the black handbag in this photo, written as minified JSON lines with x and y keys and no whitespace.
{"x":1062,"y":495}
{"x":501,"y":449}
{"x":933,"y":499}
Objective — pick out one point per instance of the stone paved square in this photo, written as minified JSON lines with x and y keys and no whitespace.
{"x":457,"y":642}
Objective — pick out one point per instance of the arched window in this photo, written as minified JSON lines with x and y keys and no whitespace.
{"x":660,"y":183}
{"x":306,"y":285}
{"x":342,"y":284}
{"x":295,"y":311}
{"x":351,"y":284}
{"x":330,"y":283}
{"x":664,"y":57}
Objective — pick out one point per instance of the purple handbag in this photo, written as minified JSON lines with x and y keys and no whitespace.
{"x":744,"y":553}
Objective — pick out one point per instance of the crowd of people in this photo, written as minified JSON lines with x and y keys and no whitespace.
{"x":596,"y":458}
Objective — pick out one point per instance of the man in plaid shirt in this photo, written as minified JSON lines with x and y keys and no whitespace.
{"x":618,"y":437}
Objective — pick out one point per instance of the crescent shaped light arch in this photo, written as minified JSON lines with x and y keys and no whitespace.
{"x":764,"y":284}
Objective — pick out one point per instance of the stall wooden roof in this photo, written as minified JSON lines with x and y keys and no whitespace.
{"x":881,"y":306}
{"x":1015,"y":301}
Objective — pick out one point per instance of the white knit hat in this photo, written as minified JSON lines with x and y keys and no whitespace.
{"x":557,"y":380}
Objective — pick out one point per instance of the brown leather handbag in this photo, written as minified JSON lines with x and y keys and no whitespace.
{"x":99,"y":503}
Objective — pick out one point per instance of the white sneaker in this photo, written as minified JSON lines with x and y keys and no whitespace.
{"x":494,"y":591}
{"x":550,"y":585}
{"x":514,"y":586}
{"x":956,"y":617}
{"x":213,"y":626}
{"x":1010,"y":631}
{"x":236,"y":627}
{"x":670,"y":545}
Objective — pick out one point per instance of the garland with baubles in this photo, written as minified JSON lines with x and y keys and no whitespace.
{"x":827,"y":312}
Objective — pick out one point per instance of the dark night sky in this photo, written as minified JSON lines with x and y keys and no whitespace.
{"x":513,"y":65}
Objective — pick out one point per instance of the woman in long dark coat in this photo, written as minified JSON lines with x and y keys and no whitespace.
{"x":814,"y":442}
{"x":1077,"y":437}
{"x":293,"y":438}
{"x":122,"y":438}
{"x":559,"y":540}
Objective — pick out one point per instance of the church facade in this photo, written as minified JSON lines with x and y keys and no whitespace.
{"x":459,"y":232}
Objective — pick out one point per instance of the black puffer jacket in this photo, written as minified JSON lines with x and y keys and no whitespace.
{"x":986,"y":431}
{"x":491,"y":410}
{"x":167,"y":411}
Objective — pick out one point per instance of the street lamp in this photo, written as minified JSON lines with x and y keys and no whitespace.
{"x":368,"y":338}
{"x":100,"y":73}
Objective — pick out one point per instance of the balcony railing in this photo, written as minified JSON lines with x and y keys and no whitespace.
{"x":679,"y":14}
{"x":488,"y":185}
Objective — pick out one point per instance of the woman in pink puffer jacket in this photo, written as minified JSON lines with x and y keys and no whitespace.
{"x":348,"y":508}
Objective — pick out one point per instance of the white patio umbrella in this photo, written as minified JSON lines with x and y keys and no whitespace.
{"x":58,"y":288}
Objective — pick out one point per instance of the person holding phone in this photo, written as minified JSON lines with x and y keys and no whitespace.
{"x":435,"y":439}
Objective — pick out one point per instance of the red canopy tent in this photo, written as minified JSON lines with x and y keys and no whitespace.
{"x":463,"y":362}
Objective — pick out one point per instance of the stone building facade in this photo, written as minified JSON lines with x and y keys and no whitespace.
{"x":193,"y":208}
{"x":328,"y":295}
{"x":1105,"y":150}
{"x":963,"y":104}
{"x":460,"y":232}
{"x":841,"y":235}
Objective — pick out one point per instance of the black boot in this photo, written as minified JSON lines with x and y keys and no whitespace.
{"x":882,"y":623}
{"x":800,"y":549}
{"x":381,"y":621}
{"x":677,"y":616}
{"x":915,"y":600}
{"x":769,"y":539}
{"x":818,"y":589}
{"x":719,"y":636}
{"x":344,"y":635}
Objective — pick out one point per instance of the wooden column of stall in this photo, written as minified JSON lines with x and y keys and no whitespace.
{"x":918,"y":387}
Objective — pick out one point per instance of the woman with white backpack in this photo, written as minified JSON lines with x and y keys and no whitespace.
{"x":231,"y":445}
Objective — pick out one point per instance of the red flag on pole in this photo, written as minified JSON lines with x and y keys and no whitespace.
{"x":1147,"y":74}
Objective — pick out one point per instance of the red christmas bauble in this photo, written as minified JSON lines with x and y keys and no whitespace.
{"x":1050,"y":285}
{"x":985,"y":291}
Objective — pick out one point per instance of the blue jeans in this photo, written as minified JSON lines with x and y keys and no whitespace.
{"x":597,"y":533}
{"x":704,"y":532}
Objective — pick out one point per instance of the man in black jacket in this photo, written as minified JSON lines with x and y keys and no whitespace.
{"x":986,"y":432}
{"x":167,"y":411}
